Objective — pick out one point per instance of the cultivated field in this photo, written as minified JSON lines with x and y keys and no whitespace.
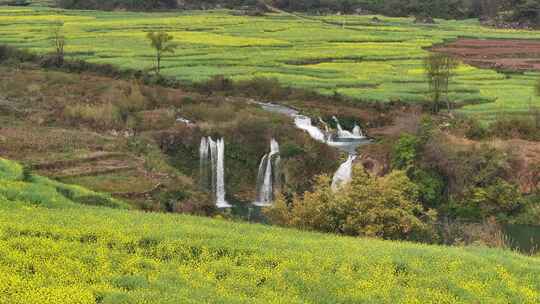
{"x":55,"y":250}
{"x":352,"y":55}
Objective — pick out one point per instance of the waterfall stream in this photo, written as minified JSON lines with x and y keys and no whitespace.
{"x":343,"y":175}
{"x":268,"y":176}
{"x":343,"y":140}
{"x":212,"y":169}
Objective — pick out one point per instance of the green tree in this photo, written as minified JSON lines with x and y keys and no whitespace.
{"x":439,"y":70}
{"x":162,"y":43}
{"x":405,"y":151}
{"x":385,"y":207}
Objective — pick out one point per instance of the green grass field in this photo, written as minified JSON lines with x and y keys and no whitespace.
{"x":56,"y":249}
{"x":360,"y":59}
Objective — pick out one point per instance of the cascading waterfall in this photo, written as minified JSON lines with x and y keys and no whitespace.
{"x":304,"y":123}
{"x":344,"y":134}
{"x":203,"y":163}
{"x":268,"y":176}
{"x":326,"y":128}
{"x":357,"y":132}
{"x":343,"y":175}
{"x":345,"y":141}
{"x":212,"y":158}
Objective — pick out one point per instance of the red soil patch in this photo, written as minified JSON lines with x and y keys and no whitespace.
{"x":515,"y":54}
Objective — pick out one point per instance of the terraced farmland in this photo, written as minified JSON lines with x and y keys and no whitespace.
{"x":351,"y":55}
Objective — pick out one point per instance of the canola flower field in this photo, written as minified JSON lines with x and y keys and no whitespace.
{"x":349,"y":55}
{"x":54,"y":248}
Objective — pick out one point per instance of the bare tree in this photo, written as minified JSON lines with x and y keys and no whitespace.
{"x":162,"y":43}
{"x":59,"y":43}
{"x":439,"y":69}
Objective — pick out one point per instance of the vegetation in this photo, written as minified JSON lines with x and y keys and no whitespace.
{"x":18,"y":185}
{"x":59,"y":42}
{"x":162,"y":44}
{"x":385,"y":207}
{"x":55,"y":250}
{"x":364,"y":61}
{"x":439,"y":69}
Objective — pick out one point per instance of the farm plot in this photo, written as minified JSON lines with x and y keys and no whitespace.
{"x":349,"y":55}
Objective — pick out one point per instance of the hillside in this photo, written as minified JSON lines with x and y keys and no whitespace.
{"x":71,"y":253}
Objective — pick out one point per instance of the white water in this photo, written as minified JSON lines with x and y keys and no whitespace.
{"x":357,"y":132}
{"x":345,"y":140}
{"x":304,"y":123}
{"x":343,"y":175}
{"x":344,"y":134}
{"x":268,"y":176}
{"x":203,"y":163}
{"x":212,"y":158}
{"x":326,"y":127}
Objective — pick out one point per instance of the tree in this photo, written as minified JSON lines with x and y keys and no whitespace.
{"x":385,"y":207}
{"x":439,"y":69}
{"x":162,"y":44}
{"x":59,"y":43}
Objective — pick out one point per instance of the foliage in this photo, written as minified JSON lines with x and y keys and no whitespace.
{"x":524,"y":128}
{"x":431,"y":187}
{"x":439,"y":69}
{"x":162,"y":44}
{"x":10,"y":170}
{"x":498,"y":198}
{"x":404,"y":152}
{"x":385,"y":207}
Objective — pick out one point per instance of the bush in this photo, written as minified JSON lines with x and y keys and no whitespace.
{"x":385,"y":207}
{"x":431,"y":187}
{"x":104,"y":116}
{"x":499,"y":198}
{"x":405,"y":151}
{"x":8,"y":53}
{"x":515,"y":128}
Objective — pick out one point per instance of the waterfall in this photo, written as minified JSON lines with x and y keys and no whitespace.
{"x":304,"y":123}
{"x":344,"y":134}
{"x":326,"y":128}
{"x":344,"y":173}
{"x":203,"y":164}
{"x":357,"y":132}
{"x":268,"y":176}
{"x":212,"y":158}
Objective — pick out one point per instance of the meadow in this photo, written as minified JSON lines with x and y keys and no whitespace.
{"x":54,"y":248}
{"x":348,"y":55}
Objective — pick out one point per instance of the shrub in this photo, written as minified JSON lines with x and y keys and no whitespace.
{"x":262,"y":87}
{"x":11,"y":170}
{"x":515,"y":127}
{"x":8,"y":53}
{"x":104,"y":116}
{"x":385,"y":207}
{"x":405,"y":151}
{"x":217,"y":83}
{"x":431,"y":187}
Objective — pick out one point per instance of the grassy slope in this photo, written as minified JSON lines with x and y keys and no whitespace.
{"x":99,"y":255}
{"x":364,"y":60}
